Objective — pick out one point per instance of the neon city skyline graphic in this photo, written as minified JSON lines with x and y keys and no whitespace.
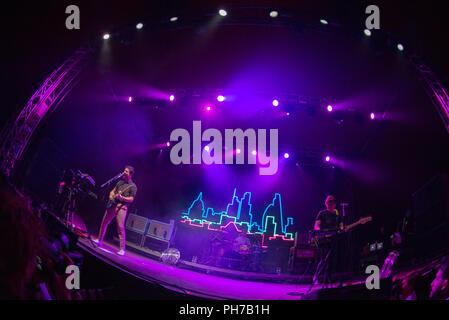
{"x":273,"y":224}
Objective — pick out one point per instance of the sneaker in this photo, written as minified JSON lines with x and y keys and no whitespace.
{"x":96,"y":241}
{"x":121,"y":252}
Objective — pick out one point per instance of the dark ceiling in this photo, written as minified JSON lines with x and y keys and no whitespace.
{"x":388,"y":158}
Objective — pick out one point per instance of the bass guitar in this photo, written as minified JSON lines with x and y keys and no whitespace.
{"x":320,"y":237}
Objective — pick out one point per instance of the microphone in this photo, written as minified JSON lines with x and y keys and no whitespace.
{"x":113,"y":179}
{"x":119,"y":175}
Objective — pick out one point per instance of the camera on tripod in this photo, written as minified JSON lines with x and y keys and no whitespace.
{"x":73,"y":186}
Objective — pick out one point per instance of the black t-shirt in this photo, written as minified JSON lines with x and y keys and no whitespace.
{"x":122,"y":185}
{"x":329,"y":220}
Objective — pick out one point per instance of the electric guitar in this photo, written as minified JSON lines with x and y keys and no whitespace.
{"x":114,"y":197}
{"x":325,"y":236}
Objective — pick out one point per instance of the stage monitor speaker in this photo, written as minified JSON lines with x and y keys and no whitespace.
{"x":135,"y":229}
{"x":161,"y":230}
{"x":301,"y":260}
{"x":302,"y":252}
{"x":136,"y":223}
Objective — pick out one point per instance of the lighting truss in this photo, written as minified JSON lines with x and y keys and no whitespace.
{"x":46,"y":99}
{"x":434,"y":89}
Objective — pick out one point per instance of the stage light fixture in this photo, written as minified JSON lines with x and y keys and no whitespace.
{"x":106,"y":36}
{"x":221,"y":98}
{"x":275,"y":102}
{"x":222,"y":12}
{"x":238,"y":151}
{"x":372,"y":116}
{"x":254,"y":152}
{"x":168,"y":144}
{"x":286,"y":155}
{"x":400,"y":47}
{"x":329,"y":108}
{"x":274,"y":14}
{"x":323,"y":21}
{"x":139,"y":26}
{"x":130,"y":99}
{"x":208,"y":108}
{"x":172,"y":98}
{"x":207,"y":148}
{"x":367,"y":32}
{"x":173,"y":19}
{"x":328,"y":158}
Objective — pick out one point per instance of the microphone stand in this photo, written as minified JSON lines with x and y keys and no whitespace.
{"x":343,"y":205}
{"x":107,"y":183}
{"x":110,"y":180}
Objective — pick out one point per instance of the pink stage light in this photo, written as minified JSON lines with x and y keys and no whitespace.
{"x":254,"y":152}
{"x":286,"y":155}
{"x":221,"y":98}
{"x":130,"y":99}
{"x":328,"y":158}
{"x":238,"y":151}
{"x":329,"y":108}
{"x":172,"y":98}
{"x":208,"y":108}
{"x":372,"y":116}
{"x":168,"y":144}
{"x":275,"y":102}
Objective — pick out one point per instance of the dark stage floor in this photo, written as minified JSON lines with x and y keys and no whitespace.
{"x":195,"y":283}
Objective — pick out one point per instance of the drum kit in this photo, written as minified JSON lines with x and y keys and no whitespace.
{"x":220,"y":253}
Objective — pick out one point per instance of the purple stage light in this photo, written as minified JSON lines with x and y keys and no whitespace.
{"x":372,"y":116}
{"x":208,"y":108}
{"x":329,"y":108}
{"x":328,"y":158}
{"x":286,"y":155}
{"x":275,"y":102}
{"x":168,"y":144}
{"x":221,"y":98}
{"x":130,"y":99}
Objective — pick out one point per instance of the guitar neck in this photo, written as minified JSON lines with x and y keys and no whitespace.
{"x":352,"y":225}
{"x":355,"y":224}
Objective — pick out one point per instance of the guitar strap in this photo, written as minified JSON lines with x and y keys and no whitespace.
{"x":126,"y":189}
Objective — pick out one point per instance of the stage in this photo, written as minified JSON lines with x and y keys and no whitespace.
{"x":198,"y":284}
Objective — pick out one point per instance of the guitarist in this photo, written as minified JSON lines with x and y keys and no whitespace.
{"x":120,"y":197}
{"x":327,"y":220}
